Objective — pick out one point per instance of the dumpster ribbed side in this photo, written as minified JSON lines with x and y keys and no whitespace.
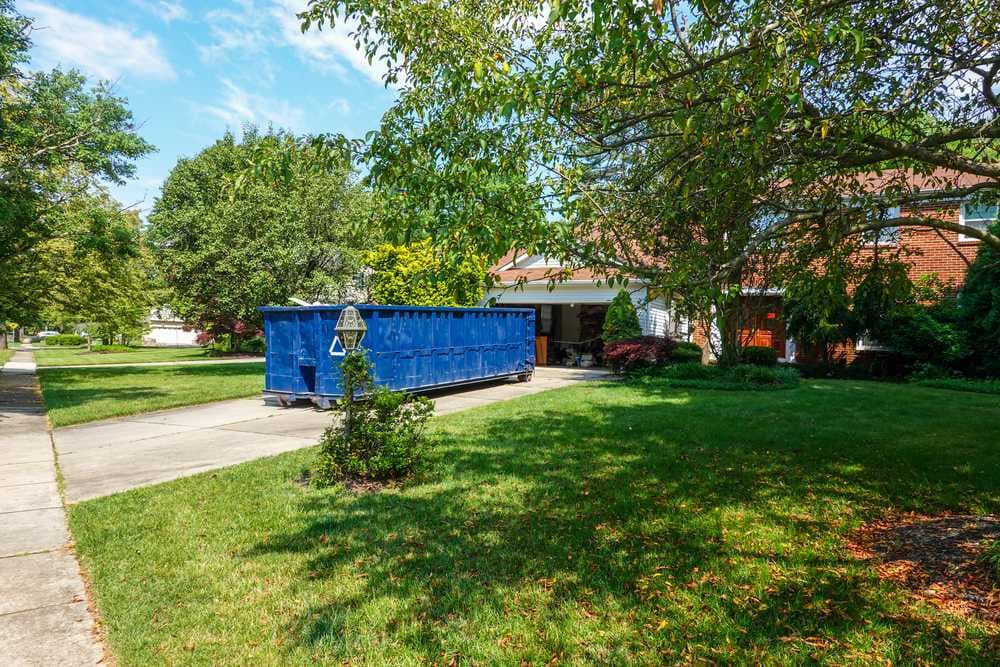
{"x":411,"y":348}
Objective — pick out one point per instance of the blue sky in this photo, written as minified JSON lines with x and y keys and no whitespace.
{"x":190,"y":69}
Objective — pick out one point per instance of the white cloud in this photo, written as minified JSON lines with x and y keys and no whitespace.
{"x":239,"y":106}
{"x":102,"y":50}
{"x":340,"y":105}
{"x":248,"y":29}
{"x":329,"y":48}
{"x":241,"y":30}
{"x":165,"y":10}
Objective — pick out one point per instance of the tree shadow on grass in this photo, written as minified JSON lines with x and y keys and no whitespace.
{"x":676,"y":526}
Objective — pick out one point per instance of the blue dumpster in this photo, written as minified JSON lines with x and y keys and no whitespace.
{"x":410,"y":347}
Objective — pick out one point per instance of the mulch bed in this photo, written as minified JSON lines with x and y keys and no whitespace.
{"x":937,"y":558}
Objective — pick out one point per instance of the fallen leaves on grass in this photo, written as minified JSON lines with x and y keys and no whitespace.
{"x":937,"y":558}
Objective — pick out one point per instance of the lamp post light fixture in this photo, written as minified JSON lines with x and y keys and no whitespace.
{"x":350,"y":329}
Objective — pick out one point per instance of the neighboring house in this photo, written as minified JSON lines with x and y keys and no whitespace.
{"x":947,"y":254}
{"x":569,"y":314}
{"x":570,"y":310}
{"x":167,"y":330}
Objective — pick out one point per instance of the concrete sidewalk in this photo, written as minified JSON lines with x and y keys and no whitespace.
{"x":44,"y":618}
{"x":105,"y":457}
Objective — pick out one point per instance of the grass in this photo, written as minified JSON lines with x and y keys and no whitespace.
{"x":962,"y":384}
{"x":77,"y":356}
{"x":76,"y":395}
{"x":5,"y":356}
{"x":606,"y":523}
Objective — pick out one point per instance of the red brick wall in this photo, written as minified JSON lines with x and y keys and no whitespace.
{"x":939,"y":251}
{"x":931,"y":251}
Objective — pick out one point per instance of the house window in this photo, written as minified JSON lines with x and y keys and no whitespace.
{"x":886,"y":235}
{"x":980,"y":216}
{"x":866,"y":343}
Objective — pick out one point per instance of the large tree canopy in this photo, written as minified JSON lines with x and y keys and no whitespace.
{"x":59,"y":140}
{"x":692,"y":144}
{"x":590,"y":101}
{"x":224,"y":253}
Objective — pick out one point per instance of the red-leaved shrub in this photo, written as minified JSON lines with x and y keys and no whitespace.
{"x":633,"y":353}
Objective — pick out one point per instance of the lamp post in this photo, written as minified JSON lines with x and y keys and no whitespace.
{"x":350,"y":329}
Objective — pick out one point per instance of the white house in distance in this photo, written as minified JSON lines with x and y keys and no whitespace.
{"x":569,"y":317}
{"x":167,"y":330}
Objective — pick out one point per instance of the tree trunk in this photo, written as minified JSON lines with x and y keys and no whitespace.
{"x":728,"y":320}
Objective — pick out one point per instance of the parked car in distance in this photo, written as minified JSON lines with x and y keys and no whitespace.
{"x":45,"y":334}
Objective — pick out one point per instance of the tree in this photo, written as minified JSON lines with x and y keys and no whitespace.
{"x":979,"y":309}
{"x":621,"y":322}
{"x":698,"y":146}
{"x":58,"y":141}
{"x":419,"y":275}
{"x":817,"y":308}
{"x":225,"y":252}
{"x":95,"y":275}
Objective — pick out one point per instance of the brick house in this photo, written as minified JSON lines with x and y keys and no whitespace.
{"x":947,"y":254}
{"x":570,"y":302}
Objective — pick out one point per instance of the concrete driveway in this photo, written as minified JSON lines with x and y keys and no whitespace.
{"x":105,"y":457}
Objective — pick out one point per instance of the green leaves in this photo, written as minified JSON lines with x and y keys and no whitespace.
{"x":252,"y":223}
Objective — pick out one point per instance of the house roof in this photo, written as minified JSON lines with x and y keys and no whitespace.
{"x":508,"y":272}
{"x":940,"y":180}
{"x":519,"y":266}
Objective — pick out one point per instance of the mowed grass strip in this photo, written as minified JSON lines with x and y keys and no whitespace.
{"x":77,"y":395}
{"x":5,"y":355}
{"x":79,"y":356}
{"x":600,"y":524}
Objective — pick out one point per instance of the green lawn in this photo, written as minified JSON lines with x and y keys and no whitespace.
{"x":5,"y":356}
{"x":76,"y":356}
{"x":76,"y":395}
{"x":605,"y":524}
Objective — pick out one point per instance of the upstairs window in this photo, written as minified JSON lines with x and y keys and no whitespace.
{"x":886,"y":235}
{"x":980,"y":216}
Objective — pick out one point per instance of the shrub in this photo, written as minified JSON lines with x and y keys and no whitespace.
{"x":759,"y":355}
{"x":686,"y":352}
{"x":740,"y":377}
{"x":762,"y":375}
{"x":991,"y":559}
{"x":621,"y":321}
{"x":927,"y":371}
{"x":255,"y":346}
{"x":692,"y":371}
{"x":633,"y":354}
{"x":111,"y":348}
{"x":65,"y":339}
{"x":387,"y":438}
{"x":979,"y":308}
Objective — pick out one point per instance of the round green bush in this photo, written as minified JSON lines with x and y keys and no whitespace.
{"x":759,"y":355}
{"x":686,"y":352}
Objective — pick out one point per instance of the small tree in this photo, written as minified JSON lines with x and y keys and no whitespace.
{"x":418,"y":274}
{"x":979,"y":309}
{"x":817,"y":309}
{"x":621,"y":321}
